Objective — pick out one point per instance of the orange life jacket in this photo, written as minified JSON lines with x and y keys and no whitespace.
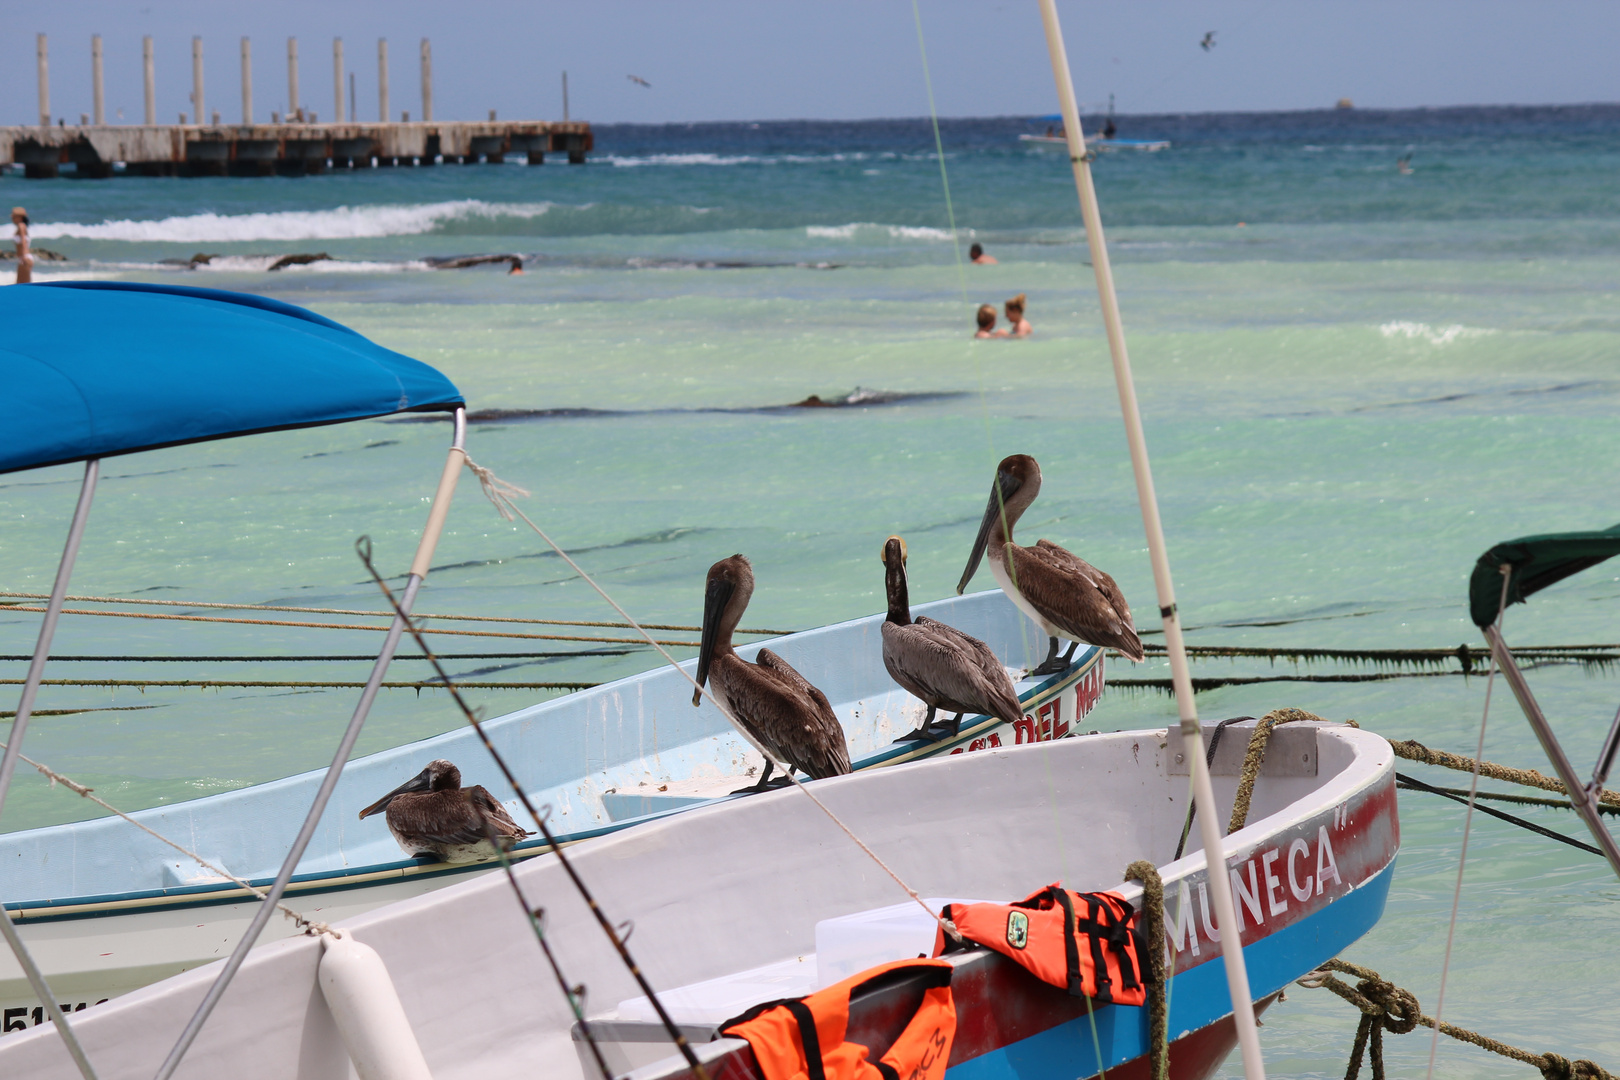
{"x":1088,"y":943}
{"x":803,"y":1038}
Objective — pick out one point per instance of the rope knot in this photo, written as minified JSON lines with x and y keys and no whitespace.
{"x":1398,"y":1009}
{"x":497,"y":491}
{"x":1556,"y":1067}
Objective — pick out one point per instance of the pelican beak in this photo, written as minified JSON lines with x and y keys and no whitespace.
{"x":420,"y":782}
{"x":1002,"y":490}
{"x":714,"y":607}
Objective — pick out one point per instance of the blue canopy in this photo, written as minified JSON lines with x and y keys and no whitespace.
{"x":97,"y":368}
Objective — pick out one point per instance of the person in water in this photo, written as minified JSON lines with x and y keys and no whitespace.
{"x":1017,"y":325}
{"x":987,"y":323}
{"x":25,"y":257}
{"x":978,"y":257}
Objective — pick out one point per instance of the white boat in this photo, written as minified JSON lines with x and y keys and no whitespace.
{"x":105,"y":908}
{"x":1099,"y":142}
{"x":763,"y":898}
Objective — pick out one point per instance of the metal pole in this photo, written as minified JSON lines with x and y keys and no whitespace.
{"x":1584,"y":801}
{"x":382,"y":80}
{"x":14,"y":741}
{"x":292,"y":78}
{"x":1237,"y":976}
{"x":98,"y":107}
{"x":247,"y":81}
{"x":427,"y":80}
{"x":151,"y":85}
{"x":42,"y":51}
{"x":198,"y":116}
{"x":419,"y":567}
{"x":337,"y":80}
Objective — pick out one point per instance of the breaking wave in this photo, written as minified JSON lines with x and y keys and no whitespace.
{"x":341,"y":223}
{"x":896,"y":232}
{"x":1434,"y":335}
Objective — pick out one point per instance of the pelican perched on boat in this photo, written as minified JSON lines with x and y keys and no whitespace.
{"x":1064,"y":594}
{"x":432,"y":814}
{"x":775,"y":704}
{"x":939,"y":664}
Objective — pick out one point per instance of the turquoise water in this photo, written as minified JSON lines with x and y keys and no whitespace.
{"x":1348,"y":397}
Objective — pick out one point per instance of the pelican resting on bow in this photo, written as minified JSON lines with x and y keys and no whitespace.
{"x":939,"y":664}
{"x":790,"y":718}
{"x":432,"y":814}
{"x":1064,"y":594}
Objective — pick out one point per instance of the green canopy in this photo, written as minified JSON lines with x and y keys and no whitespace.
{"x":1537,"y":562}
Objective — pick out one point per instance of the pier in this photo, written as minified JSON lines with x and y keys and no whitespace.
{"x":283,"y":149}
{"x":294,"y":144}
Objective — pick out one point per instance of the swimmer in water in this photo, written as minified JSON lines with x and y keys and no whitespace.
{"x":25,"y":257}
{"x":1018,"y":326}
{"x":987,"y":323}
{"x":517,"y":265}
{"x":977,"y":256}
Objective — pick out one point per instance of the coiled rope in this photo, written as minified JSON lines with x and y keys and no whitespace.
{"x":1386,"y":1007}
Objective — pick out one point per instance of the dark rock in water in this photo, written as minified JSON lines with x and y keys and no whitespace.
{"x":299,"y":260}
{"x":40,"y":255}
{"x":200,"y":259}
{"x":461,"y":262}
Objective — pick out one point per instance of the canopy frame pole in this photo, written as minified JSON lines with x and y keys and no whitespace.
{"x":1605,"y":759}
{"x":413,"y":582}
{"x":1220,"y":887}
{"x":1581,"y":798}
{"x":19,"y":728}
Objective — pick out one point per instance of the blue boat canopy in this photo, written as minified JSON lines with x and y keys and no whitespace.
{"x":97,"y":368}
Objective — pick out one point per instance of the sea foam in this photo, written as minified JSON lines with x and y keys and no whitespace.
{"x":341,"y":223}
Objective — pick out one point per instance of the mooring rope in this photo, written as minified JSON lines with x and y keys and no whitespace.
{"x":360,"y":611}
{"x":1411,"y":783}
{"x":85,"y":792}
{"x":1386,"y":1007}
{"x":285,"y":684}
{"x":1468,"y":657}
{"x":1255,"y":757}
{"x":1153,"y":931}
{"x":344,"y":626}
{"x":1412,"y":750}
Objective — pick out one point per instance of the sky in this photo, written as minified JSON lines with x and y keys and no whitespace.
{"x":826,"y":59}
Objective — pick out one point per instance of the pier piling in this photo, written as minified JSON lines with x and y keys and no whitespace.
{"x":97,"y":87}
{"x":148,"y":77}
{"x":337,"y":80}
{"x":382,"y":80}
{"x":292,"y":79}
{"x":198,"y":116}
{"x":43,"y":52}
{"x":247,"y":81}
{"x":427,"y":81}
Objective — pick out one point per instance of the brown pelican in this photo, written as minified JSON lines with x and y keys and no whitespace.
{"x":1063,"y":593}
{"x":432,"y":814}
{"x":775,"y":704}
{"x":944,"y":667}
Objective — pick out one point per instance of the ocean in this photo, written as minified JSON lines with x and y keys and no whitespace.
{"x":1353,"y":382}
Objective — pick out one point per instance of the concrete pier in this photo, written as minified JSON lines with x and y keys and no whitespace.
{"x":285,"y":149}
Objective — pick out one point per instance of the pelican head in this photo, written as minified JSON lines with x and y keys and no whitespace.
{"x":1018,"y":481}
{"x":439,"y":775}
{"x":730,"y":585}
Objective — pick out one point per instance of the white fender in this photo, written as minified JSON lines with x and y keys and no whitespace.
{"x":370,"y":1018}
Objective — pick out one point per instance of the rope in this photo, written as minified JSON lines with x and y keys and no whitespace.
{"x":370,"y":658}
{"x":1153,"y":929}
{"x":1409,"y":783}
{"x":1386,"y":1007}
{"x":1416,"y":751}
{"x":1200,"y":685}
{"x":279,"y":684}
{"x":1467,"y":657}
{"x":492,"y":488}
{"x":1256,"y":756}
{"x":344,"y":626}
{"x":361,"y":611}
{"x":306,"y":925}
{"x":1499,"y":796}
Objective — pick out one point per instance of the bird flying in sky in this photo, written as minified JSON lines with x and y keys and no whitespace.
{"x":1209,"y":41}
{"x":639,"y":81}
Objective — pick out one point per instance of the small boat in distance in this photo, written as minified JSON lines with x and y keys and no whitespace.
{"x":1104,"y":140}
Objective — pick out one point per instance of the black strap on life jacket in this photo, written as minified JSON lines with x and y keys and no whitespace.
{"x":1103,"y":930}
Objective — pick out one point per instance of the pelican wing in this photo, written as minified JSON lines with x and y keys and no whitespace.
{"x":949,"y":669}
{"x":1074,"y":596}
{"x":803,"y":723}
{"x":438,"y":818}
{"x":502,"y":822}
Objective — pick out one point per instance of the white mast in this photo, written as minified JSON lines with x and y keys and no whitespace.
{"x":1220,"y":888}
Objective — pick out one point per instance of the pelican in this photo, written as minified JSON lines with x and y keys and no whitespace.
{"x":939,"y":664}
{"x":432,"y":814}
{"x":773,"y":703}
{"x":1064,"y":594}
